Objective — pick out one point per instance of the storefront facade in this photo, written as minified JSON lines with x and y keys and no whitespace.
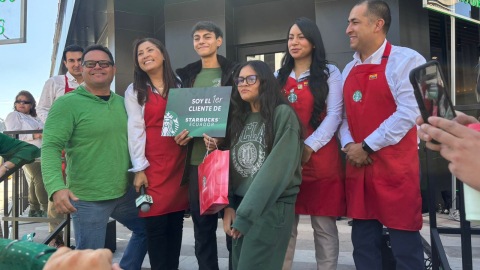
{"x":257,"y":29}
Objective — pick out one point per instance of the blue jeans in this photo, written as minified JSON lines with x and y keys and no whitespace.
{"x":90,"y":223}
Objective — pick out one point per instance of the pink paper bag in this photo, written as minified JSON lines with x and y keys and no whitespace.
{"x":213,"y":182}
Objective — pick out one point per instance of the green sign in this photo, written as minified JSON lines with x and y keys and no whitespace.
{"x":13,"y":21}
{"x":198,"y":110}
{"x":475,"y":3}
{"x":462,"y":9}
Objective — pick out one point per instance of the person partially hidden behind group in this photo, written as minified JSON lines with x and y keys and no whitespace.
{"x":157,"y":161}
{"x":54,"y":88}
{"x":314,"y":89}
{"x":265,"y":170}
{"x":24,"y":117}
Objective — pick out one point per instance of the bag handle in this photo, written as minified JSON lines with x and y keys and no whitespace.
{"x":216,"y":146}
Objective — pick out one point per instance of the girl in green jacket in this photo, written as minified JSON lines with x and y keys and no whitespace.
{"x":265,"y":169}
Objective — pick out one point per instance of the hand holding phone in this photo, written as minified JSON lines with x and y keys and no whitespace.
{"x":431,"y":92}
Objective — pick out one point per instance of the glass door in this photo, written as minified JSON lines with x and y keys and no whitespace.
{"x":272,"y":54}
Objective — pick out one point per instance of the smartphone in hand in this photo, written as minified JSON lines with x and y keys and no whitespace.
{"x":431,"y":91}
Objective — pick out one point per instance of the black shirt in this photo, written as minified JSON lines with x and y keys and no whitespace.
{"x":106,"y":98}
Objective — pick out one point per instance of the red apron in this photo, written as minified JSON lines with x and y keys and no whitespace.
{"x":166,"y":160}
{"x":322,"y":192}
{"x":388,"y":190}
{"x":64,"y":165}
{"x":67,"y":89}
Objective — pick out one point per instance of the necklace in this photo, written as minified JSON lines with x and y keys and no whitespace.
{"x":159,"y":88}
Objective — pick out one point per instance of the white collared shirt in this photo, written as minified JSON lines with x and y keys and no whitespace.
{"x":53,"y":89}
{"x":137,"y":135}
{"x":334,"y":102}
{"x":20,"y":121}
{"x":401,"y":61}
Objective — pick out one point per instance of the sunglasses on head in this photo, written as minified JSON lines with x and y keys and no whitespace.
{"x":252,"y":79}
{"x":23,"y":102}
{"x":92,"y":64}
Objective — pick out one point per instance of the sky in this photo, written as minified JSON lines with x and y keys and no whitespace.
{"x":26,"y":66}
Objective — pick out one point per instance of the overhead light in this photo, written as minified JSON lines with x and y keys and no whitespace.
{"x":434,"y":58}
{"x":465,"y":27}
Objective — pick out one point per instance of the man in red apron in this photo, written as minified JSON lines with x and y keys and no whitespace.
{"x":59,"y":85}
{"x":379,"y":137}
{"x":54,"y":88}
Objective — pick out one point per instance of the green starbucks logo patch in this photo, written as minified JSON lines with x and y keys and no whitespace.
{"x":357,"y":96}
{"x":292,"y":97}
{"x":170,"y":124}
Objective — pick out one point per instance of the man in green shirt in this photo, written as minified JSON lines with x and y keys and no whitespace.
{"x":90,"y":123}
{"x":211,"y":70}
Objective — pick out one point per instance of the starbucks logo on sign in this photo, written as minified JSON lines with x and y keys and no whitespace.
{"x":170,"y":124}
{"x":357,"y":96}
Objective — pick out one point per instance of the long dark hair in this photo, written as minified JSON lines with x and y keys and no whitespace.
{"x":140,"y":77}
{"x":319,"y":72}
{"x":269,"y":97}
{"x":33,"y":111}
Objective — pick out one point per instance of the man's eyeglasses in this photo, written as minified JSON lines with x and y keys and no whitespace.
{"x":23,"y":102}
{"x":92,"y":64}
{"x":252,"y":79}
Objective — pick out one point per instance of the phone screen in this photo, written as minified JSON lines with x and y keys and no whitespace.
{"x":431,"y":91}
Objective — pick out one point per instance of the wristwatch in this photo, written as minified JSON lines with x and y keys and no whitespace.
{"x":367,"y":148}
{"x":6,"y":166}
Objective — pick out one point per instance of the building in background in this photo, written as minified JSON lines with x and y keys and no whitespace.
{"x":257,"y":29}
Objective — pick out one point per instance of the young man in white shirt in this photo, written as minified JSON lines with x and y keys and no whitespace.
{"x":57,"y":86}
{"x":54,"y":88}
{"x":378,"y":133}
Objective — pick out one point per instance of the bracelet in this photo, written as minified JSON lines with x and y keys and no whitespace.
{"x":6,"y":166}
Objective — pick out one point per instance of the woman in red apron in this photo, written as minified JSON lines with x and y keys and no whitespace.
{"x":157,"y":161}
{"x":314,"y":89}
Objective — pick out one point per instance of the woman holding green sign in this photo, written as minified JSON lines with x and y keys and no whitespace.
{"x":265,"y":170}
{"x":157,"y":161}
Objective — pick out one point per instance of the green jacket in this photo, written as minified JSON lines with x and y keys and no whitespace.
{"x":16,"y":151}
{"x":93,"y":133}
{"x":263,"y":178}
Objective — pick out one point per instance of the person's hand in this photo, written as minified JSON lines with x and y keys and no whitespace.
{"x":61,"y":201}
{"x":65,"y":258}
{"x":140,"y":179}
{"x":307,"y":153}
{"x":38,"y":136}
{"x":459,"y":145}
{"x":236,"y":233}
{"x":464,"y":119}
{"x":425,"y":137}
{"x":356,"y":156}
{"x":228,"y":219}
{"x":214,"y":142}
{"x":368,"y":161}
{"x":182,"y":139}
{"x":3,"y":170}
